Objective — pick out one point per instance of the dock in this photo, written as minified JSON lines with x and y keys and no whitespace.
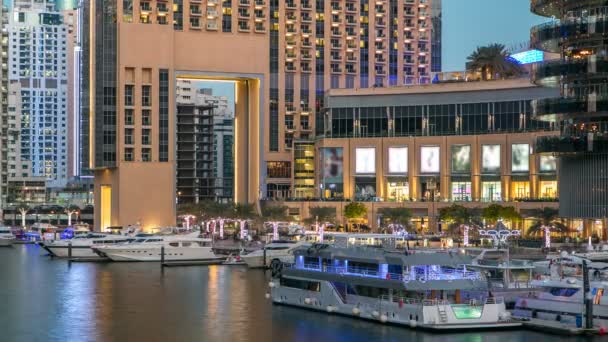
{"x":191,"y":263}
{"x":557,"y":328}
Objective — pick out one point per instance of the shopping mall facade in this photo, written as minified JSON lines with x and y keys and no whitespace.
{"x":428,"y":147}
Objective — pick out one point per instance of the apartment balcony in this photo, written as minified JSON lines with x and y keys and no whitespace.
{"x":292,"y":30}
{"x":336,"y":33}
{"x":260,"y":28}
{"x":290,"y":109}
{"x":336,"y":57}
{"x":195,"y":12}
{"x":306,"y":127}
{"x":306,"y":44}
{"x":244,"y":27}
{"x":336,"y":70}
{"x":351,"y":22}
{"x":306,"y":6}
{"x":145,"y":8}
{"x":380,"y":72}
{"x":380,"y":60}
{"x":336,"y":45}
{"x":380,"y":23}
{"x":351,"y":58}
{"x":335,"y":8}
{"x":212,"y":13}
{"x":290,"y":68}
{"x":306,"y":18}
{"x":350,"y":8}
{"x":290,"y":18}
{"x":291,"y":5}
{"x":306,"y":68}
{"x":260,"y":4}
{"x":212,"y":26}
{"x":162,"y":8}
{"x":245,"y":3}
{"x":408,"y":61}
{"x":195,"y":24}
{"x":350,"y":69}
{"x":244,"y":15}
{"x":306,"y":57}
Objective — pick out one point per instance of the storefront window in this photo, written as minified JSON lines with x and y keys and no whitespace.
{"x":365,"y":188}
{"x":548,"y":189}
{"x":430,"y":189}
{"x":461,"y":191}
{"x":491,"y":192}
{"x":398,"y":191}
{"x":520,"y":190}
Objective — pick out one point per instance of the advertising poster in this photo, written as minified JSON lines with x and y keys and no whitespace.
{"x":397,"y":160}
{"x":365,"y":160}
{"x":332,"y":159}
{"x":520,"y":158}
{"x":461,"y":158}
{"x":429,"y":159}
{"x":490,"y":158}
{"x":548,"y":163}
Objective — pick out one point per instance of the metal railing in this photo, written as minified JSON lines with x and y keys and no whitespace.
{"x":371,"y":273}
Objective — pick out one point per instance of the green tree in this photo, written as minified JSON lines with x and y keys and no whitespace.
{"x":322,"y":215}
{"x":547,"y":218}
{"x":397,"y":216}
{"x":244,"y":211}
{"x":274,"y":212}
{"x":495,"y":212}
{"x":493,"y":61}
{"x":355,"y":212}
{"x":458,"y":218}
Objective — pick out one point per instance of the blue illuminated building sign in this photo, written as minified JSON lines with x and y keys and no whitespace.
{"x":527,"y":57}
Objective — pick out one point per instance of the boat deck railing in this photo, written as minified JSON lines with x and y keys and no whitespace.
{"x":372,"y":273}
{"x":435,"y":302}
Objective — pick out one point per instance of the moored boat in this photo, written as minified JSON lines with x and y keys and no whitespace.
{"x":176,"y":248}
{"x":6,"y":237}
{"x":426,"y":290}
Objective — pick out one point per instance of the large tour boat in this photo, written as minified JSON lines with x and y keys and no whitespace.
{"x":426,"y":290}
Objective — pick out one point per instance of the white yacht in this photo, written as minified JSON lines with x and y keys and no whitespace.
{"x":571,"y":265}
{"x":418,"y":290}
{"x":81,"y":244}
{"x":561,"y":300}
{"x":276,"y":250}
{"x":177,"y":248}
{"x":6,"y":236}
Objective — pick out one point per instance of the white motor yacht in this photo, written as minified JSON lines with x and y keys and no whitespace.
{"x":81,"y":244}
{"x":561,"y":300}
{"x":6,"y":236}
{"x":276,"y":250}
{"x":177,"y":248}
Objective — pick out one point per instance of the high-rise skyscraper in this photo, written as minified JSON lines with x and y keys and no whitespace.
{"x":38,"y":93}
{"x":582,"y":110}
{"x":283,"y":56}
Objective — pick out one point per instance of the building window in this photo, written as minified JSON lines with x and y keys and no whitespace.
{"x":146,"y":117}
{"x":278,"y":169}
{"x":491,"y":192}
{"x":129,"y":136}
{"x":163,"y":115}
{"x":520,"y":190}
{"x":145,"y":136}
{"x":146,"y":154}
{"x":461,"y":191}
{"x":127,"y":11}
{"x":129,"y":116}
{"x":129,"y":92}
{"x":146,"y":95}
{"x":129,"y":154}
{"x":548,"y":189}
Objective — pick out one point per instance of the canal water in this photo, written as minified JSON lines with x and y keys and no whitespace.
{"x":44,"y":299}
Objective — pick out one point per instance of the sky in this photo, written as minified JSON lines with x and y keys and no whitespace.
{"x":468,"y":24}
{"x":220,"y":88}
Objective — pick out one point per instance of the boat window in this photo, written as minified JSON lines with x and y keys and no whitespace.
{"x":174,"y":244}
{"x":563,"y":292}
{"x":154,"y":240}
{"x":367,"y":291}
{"x":301,"y":284}
{"x":276,"y":248}
{"x":2,"y":231}
{"x":186,"y":244}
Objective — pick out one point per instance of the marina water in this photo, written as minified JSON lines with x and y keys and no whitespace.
{"x":44,"y":299}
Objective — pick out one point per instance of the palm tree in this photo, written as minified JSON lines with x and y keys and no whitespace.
{"x":547,"y":220}
{"x":459,"y":218}
{"x":493,"y":61}
{"x":396,"y":216}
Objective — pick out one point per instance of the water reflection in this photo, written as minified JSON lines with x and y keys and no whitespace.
{"x":45,"y":300}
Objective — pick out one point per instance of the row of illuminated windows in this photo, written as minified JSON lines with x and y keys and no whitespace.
{"x":399,"y":190}
{"x":430,"y":160}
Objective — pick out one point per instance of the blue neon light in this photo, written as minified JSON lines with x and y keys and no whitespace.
{"x":527,"y":57}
